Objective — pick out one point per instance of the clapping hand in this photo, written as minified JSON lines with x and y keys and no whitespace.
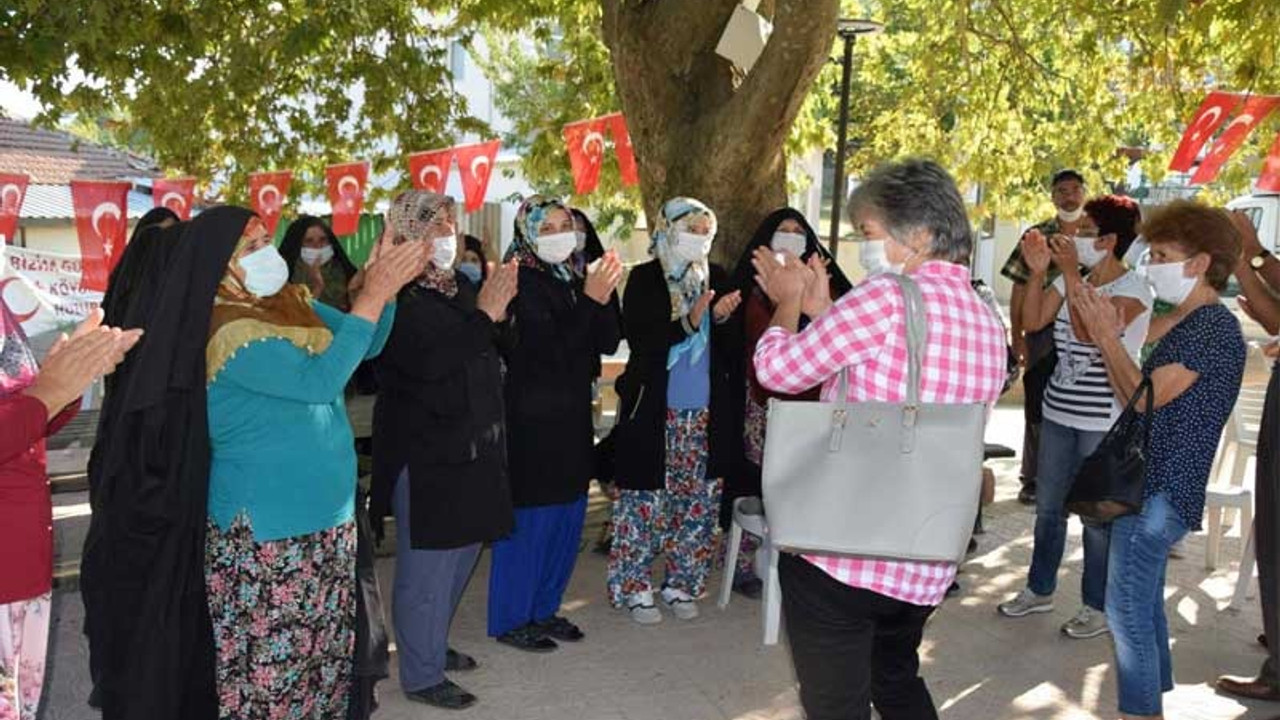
{"x":817,"y":294}
{"x":75,"y":362}
{"x":1100,"y":317}
{"x":726,"y":305}
{"x":1065,"y":255}
{"x":1036,"y":252}
{"x":499,"y":290}
{"x":782,"y":277}
{"x":603,"y":277}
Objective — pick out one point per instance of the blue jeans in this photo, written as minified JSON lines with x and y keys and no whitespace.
{"x":1135,"y":604}
{"x":1062,"y":450}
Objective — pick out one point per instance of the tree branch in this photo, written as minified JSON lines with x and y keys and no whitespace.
{"x":771,"y":96}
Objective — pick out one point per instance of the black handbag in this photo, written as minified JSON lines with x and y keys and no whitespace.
{"x":1111,"y":481}
{"x":1034,"y":383}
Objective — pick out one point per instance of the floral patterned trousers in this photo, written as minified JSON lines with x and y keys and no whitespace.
{"x":679,"y":521}
{"x":284,"y":615}
{"x":24,"y":641}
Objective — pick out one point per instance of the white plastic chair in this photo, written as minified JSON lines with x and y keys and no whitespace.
{"x":1244,"y":581}
{"x":1217,"y":501}
{"x":748,"y":515}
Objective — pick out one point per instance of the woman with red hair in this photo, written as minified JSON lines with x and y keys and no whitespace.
{"x":1079,"y":404}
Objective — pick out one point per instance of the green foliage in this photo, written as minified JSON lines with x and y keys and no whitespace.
{"x":223,"y":88}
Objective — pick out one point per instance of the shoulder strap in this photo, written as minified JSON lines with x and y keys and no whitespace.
{"x":914,"y":319}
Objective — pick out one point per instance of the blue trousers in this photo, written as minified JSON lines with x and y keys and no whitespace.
{"x":428,"y":585}
{"x":1135,"y":604}
{"x":1062,"y":450}
{"x":532,"y":567}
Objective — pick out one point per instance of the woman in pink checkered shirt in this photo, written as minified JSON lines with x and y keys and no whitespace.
{"x":842,"y":611}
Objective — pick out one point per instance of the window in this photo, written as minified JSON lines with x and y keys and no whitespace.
{"x":457,"y":61}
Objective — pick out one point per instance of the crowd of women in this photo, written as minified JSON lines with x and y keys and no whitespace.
{"x":228,"y":568}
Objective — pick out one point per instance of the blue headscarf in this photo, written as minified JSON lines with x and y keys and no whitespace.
{"x":686,"y":281}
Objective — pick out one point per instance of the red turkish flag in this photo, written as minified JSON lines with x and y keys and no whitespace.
{"x":1209,"y":117}
{"x":585,"y":141}
{"x":429,"y":170}
{"x":1269,"y":180}
{"x":1254,"y":111}
{"x":13,"y":190}
{"x":267,"y":191}
{"x":101,"y":224}
{"x":475,"y":163}
{"x":346,"y":194}
{"x":175,"y":194}
{"x":622,"y":146}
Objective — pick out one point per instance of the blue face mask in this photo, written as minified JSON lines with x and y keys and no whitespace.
{"x":471,"y":271}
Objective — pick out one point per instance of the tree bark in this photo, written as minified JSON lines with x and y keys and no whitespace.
{"x":698,"y":127}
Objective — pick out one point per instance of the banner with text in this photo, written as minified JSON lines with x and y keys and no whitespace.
{"x":43,"y":289}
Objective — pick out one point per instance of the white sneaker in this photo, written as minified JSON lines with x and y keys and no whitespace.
{"x":641,"y":608}
{"x":1026,"y":603}
{"x":1087,"y":623}
{"x":681,"y":603}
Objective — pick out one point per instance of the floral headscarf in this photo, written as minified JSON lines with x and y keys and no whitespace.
{"x":528,"y":221}
{"x":410,"y":214}
{"x":239,"y":317}
{"x":686,"y":281}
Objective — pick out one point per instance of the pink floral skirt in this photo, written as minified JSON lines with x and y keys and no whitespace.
{"x":24,"y":642}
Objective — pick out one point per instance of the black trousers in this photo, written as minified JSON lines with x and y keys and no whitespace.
{"x":852,"y":647}
{"x":1266,"y":522}
{"x":1039,"y":346}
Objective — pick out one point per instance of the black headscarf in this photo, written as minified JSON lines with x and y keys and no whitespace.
{"x":291,"y":245}
{"x":594,"y":249}
{"x":142,"y":572}
{"x":744,"y":275}
{"x":475,"y":245}
{"x":135,"y":263}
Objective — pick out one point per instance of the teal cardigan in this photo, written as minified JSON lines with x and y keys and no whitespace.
{"x":283,"y":451}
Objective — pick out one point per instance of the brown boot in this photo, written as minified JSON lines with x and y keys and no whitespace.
{"x":1256,"y":689}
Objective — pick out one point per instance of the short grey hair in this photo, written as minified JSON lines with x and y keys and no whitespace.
{"x":917,"y":195}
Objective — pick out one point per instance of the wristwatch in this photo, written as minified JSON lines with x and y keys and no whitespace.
{"x":1258,"y":260}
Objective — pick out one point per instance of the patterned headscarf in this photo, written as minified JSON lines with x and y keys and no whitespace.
{"x":17,"y":362}
{"x":240,"y":317}
{"x":686,"y":281}
{"x":528,"y":221}
{"x":410,"y":215}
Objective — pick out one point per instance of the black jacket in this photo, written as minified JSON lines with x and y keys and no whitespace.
{"x":440,"y":413}
{"x":640,"y":435}
{"x":562,"y":334}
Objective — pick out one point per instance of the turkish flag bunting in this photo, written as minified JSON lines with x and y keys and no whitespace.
{"x":101,"y":208}
{"x":585,"y":141}
{"x":622,"y":146}
{"x":1269,"y":180}
{"x":175,"y":194}
{"x":346,"y":194}
{"x":1209,"y":117}
{"x":1254,"y":111}
{"x":475,"y":163}
{"x":267,"y":191}
{"x":13,"y":190}
{"x":429,"y":170}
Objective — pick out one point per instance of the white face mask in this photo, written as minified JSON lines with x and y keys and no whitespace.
{"x":871,"y":257}
{"x":317,"y":256}
{"x":794,"y":243}
{"x":581,"y":240}
{"x":1137,"y":252}
{"x":1089,"y":255}
{"x":691,"y":247}
{"x":444,"y":251}
{"x":900,"y":267}
{"x":265,"y":272}
{"x":1070,"y":216}
{"x":555,"y":248}
{"x":1170,"y":282}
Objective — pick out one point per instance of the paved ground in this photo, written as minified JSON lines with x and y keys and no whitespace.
{"x":979,"y":666}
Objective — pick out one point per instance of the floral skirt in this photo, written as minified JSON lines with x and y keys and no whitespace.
{"x":283,"y":621}
{"x":24,"y":642}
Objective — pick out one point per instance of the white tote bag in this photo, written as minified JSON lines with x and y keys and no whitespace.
{"x":873,"y":479}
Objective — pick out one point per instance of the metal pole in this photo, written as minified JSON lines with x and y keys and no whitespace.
{"x":837,"y":195}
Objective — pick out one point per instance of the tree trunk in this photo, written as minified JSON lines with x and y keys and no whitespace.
{"x":700,"y":129}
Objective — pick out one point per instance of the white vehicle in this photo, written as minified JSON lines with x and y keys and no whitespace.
{"x":1263,"y":208}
